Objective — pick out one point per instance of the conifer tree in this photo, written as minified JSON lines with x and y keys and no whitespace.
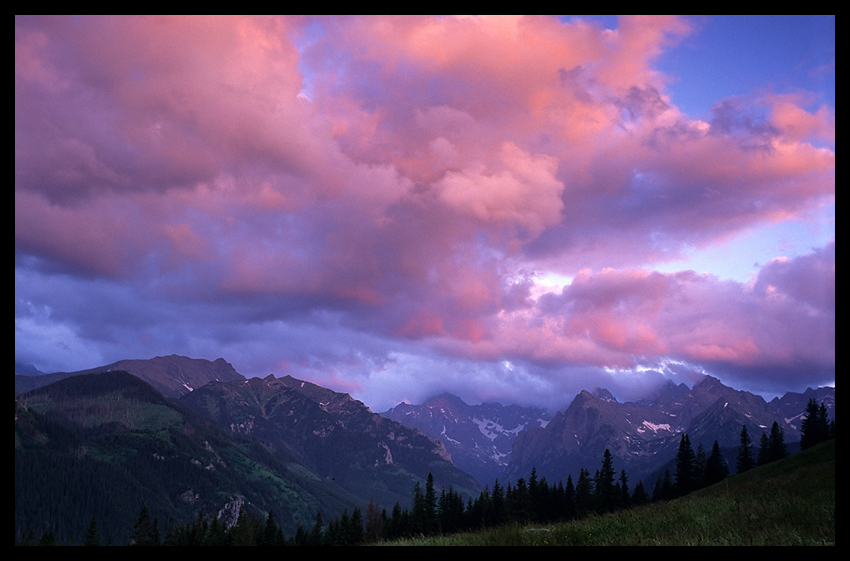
{"x":715,"y":466}
{"x":745,"y":452}
{"x":374,"y":523}
{"x":315,"y":537}
{"x":605,"y":484}
{"x":815,"y":425}
{"x":418,"y":515}
{"x":776,"y":439}
{"x":656,"y":490}
{"x":430,"y":506}
{"x":28,"y":538}
{"x":764,"y":450}
{"x":500,"y":512}
{"x":533,"y":496}
{"x":570,"y":499}
{"x":343,"y":529}
{"x":269,"y":535}
{"x":667,"y":490}
{"x":354,"y":533}
{"x":685,"y":467}
{"x":242,"y":533}
{"x":213,"y":534}
{"x":143,"y":530}
{"x":520,"y":502}
{"x":92,"y":533}
{"x":170,"y":537}
{"x":396,"y":525}
{"x":424,"y":508}
{"x":640,"y":496}
{"x":584,"y":493}
{"x":625,"y":498}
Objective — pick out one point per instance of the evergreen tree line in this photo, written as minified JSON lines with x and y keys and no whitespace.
{"x":531,"y":501}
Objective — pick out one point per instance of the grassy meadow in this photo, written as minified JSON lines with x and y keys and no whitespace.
{"x":788,"y":502}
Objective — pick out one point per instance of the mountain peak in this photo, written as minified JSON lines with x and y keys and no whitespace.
{"x":446,"y":399}
{"x":172,"y":375}
{"x":604,"y":395}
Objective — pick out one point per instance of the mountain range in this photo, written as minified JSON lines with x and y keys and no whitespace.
{"x":186,"y":435}
{"x":103,"y":443}
{"x":643,"y":436}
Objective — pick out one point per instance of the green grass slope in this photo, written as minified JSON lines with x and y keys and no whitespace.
{"x":789,"y":502}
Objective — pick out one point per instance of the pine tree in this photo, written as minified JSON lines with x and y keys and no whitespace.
{"x":143,"y":530}
{"x":424,"y":508}
{"x":343,"y":529}
{"x":92,"y":533}
{"x":170,"y":537}
{"x":213,"y":534}
{"x":745,"y":452}
{"x":392,"y":527}
{"x":827,"y":427}
{"x":242,"y":533}
{"x":808,"y":427}
{"x":534,"y":508}
{"x":269,"y":535}
{"x":815,"y":426}
{"x":500,"y":512}
{"x":374,"y":523}
{"x":605,"y":484}
{"x":668,"y":491}
{"x":520,"y":503}
{"x":685,"y":467}
{"x":640,"y":496}
{"x":764,"y":450}
{"x":354,"y":534}
{"x":625,"y":498}
{"x":584,"y":493}
{"x":315,"y":537}
{"x":332,"y":533}
{"x":777,"y":443}
{"x":430,"y":506}
{"x":569,"y":499}
{"x":715,"y":466}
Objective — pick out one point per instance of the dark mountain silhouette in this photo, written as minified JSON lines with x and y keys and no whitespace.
{"x":172,"y":375}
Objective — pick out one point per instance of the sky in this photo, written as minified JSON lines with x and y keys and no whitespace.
{"x":506,"y":208}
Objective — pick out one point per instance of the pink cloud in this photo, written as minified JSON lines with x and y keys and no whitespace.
{"x":433,"y":161}
{"x":620,"y":318}
{"x":799,"y":125}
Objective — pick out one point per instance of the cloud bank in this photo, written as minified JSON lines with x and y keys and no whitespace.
{"x":372,"y":202}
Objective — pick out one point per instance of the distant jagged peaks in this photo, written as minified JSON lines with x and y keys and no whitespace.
{"x":644,"y":434}
{"x":478,"y":437}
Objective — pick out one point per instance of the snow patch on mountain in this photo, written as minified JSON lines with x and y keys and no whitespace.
{"x":653,"y":427}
